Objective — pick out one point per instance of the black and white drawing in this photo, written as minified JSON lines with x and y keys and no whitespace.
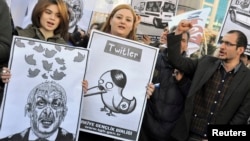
{"x":237,"y":17}
{"x":45,"y":91}
{"x":239,"y":12}
{"x":154,"y":14}
{"x":118,"y":72}
{"x":111,"y":85}
{"x":76,"y":11}
{"x":46,"y":107}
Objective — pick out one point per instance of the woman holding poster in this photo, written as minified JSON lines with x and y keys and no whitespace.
{"x":50,"y":22}
{"x":121,"y":22}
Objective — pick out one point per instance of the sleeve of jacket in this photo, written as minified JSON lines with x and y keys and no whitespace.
{"x":184,"y":64}
{"x":5,"y":32}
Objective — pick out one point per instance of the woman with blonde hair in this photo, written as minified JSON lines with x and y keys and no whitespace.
{"x":122,"y":22}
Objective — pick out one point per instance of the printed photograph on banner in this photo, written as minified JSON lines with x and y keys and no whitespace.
{"x":237,"y":17}
{"x":44,"y":92}
{"x":198,"y":19}
{"x":118,"y":72}
{"x":155,"y":15}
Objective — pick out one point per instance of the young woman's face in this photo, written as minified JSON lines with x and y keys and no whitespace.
{"x":122,"y":23}
{"x":50,"y":18}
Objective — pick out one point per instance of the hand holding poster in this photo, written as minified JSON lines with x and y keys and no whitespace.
{"x":44,"y":92}
{"x":118,"y":72}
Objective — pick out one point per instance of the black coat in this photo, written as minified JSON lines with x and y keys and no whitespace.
{"x":165,"y":105}
{"x":236,"y":103}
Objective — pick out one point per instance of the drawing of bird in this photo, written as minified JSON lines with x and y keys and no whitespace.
{"x":58,"y":48}
{"x":33,"y":73}
{"x":110,"y":86}
{"x":46,"y":65}
{"x":45,"y":76}
{"x":57,"y":75}
{"x":19,"y":43}
{"x":39,"y":48}
{"x":29,"y":59}
{"x":60,"y":61}
{"x":79,"y":57}
{"x":63,"y":67}
{"x":49,"y":53}
{"x":31,"y":42}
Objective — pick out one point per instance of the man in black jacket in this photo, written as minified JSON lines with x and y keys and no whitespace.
{"x":220,"y":92}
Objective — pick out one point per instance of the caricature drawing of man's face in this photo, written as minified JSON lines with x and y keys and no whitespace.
{"x":75,"y":9}
{"x":47,"y":110}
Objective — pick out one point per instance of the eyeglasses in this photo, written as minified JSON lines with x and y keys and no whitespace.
{"x":227,"y":43}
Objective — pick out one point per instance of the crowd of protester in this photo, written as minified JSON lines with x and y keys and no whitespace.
{"x":193,"y":93}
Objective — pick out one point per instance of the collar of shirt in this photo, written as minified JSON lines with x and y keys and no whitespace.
{"x":234,"y":70}
{"x":32,"y":136}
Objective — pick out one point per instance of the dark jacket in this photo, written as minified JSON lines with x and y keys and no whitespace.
{"x":236,"y":103}
{"x":33,"y":32}
{"x":166,"y":104}
{"x":62,"y":135}
{"x":5,"y":39}
{"x":5,"y":33}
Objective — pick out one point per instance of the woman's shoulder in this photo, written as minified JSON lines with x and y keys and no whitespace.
{"x":29,"y":31}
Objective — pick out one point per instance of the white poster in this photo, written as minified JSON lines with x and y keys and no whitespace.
{"x":198,"y":19}
{"x":118,"y":72}
{"x":237,"y":18}
{"x":44,"y":96}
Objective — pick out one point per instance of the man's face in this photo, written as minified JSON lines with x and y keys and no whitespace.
{"x":163,"y":37}
{"x":47,"y":112}
{"x":184,"y":42}
{"x":228,"y":50}
{"x":75,"y":9}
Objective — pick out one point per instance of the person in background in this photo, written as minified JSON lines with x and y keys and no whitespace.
{"x":219,"y":93}
{"x":245,"y":60}
{"x":162,"y":43}
{"x":167,"y":102}
{"x":5,"y":38}
{"x":248,"y":61}
{"x":81,"y":38}
{"x":122,"y":22}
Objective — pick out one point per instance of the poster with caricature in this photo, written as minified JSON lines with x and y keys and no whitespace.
{"x":43,"y":98}
{"x":237,"y":17}
{"x":118,"y":72}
